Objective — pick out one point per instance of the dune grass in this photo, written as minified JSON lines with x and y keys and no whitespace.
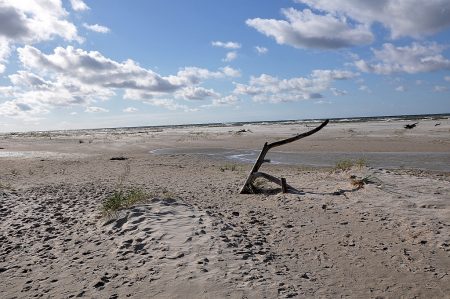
{"x":122,"y":200}
{"x":347,"y":164}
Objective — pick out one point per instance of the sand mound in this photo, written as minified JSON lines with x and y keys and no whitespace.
{"x":55,"y":243}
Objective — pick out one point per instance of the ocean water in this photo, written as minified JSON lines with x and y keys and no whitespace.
{"x":387,"y":160}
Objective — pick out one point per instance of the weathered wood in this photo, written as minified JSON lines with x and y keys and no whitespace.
{"x":283,"y":185}
{"x":267,"y":177}
{"x":246,"y":188}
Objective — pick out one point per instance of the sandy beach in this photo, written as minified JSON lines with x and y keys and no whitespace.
{"x":195,"y":236}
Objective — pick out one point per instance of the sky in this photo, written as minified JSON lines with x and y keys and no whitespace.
{"x":107,"y":63}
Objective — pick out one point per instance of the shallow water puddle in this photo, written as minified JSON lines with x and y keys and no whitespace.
{"x":438,"y":161}
{"x":36,"y":154}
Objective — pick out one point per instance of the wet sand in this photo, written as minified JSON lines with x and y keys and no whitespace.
{"x":197,"y":237}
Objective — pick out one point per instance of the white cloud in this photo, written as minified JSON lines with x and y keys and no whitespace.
{"x":230,"y":72}
{"x":70,"y":76}
{"x":194,"y":75}
{"x":338,"y":92}
{"x":447,"y":78}
{"x":305,"y":29}
{"x":230,"y":100}
{"x":96,"y":28}
{"x":322,"y":102}
{"x":169,"y":104}
{"x":73,"y":113}
{"x":93,"y":109}
{"x":230,"y":56}
{"x":4,"y":53}
{"x":402,"y":17}
{"x":412,"y":59}
{"x":130,"y":110}
{"x":196,"y":93}
{"x":23,"y":109}
{"x":266,"y":88}
{"x":35,"y":21}
{"x":439,"y":88}
{"x":93,"y":68}
{"x":29,"y":22}
{"x":78,"y":5}
{"x":365,"y":88}
{"x":6,"y":91}
{"x":400,"y":88}
{"x":261,"y":50}
{"x":28,"y":79}
{"x":226,"y":45}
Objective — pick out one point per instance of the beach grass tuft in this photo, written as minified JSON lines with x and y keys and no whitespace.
{"x":347,"y":164}
{"x":344,"y":165}
{"x":360,"y":163}
{"x":122,"y":200}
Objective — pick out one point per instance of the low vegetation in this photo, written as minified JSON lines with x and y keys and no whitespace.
{"x":122,"y":200}
{"x":230,"y":167}
{"x":347,"y":164}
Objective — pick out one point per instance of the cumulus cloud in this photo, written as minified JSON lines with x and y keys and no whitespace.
{"x":94,"y":68}
{"x":413,"y":18}
{"x":412,"y":59}
{"x":261,"y":50}
{"x":28,"y":22}
{"x":93,"y":109}
{"x":196,"y":93}
{"x":230,"y":72}
{"x":266,"y":88}
{"x":78,"y":5}
{"x":226,"y":45}
{"x":229,"y":100}
{"x":71,"y":76}
{"x":22,"y":108}
{"x":130,"y":110}
{"x":305,"y":29}
{"x":230,"y":56}
{"x":96,"y":28}
{"x":35,"y":21}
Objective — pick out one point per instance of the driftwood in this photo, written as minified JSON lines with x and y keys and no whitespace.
{"x":254,"y":173}
{"x":410,"y":126}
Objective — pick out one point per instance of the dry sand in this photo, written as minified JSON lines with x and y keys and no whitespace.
{"x":197,"y":237}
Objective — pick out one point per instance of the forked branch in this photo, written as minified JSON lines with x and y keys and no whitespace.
{"x":247,"y":187}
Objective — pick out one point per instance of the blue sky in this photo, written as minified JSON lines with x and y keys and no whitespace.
{"x":105,"y":63}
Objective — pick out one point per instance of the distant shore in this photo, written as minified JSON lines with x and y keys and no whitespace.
{"x":411,"y":117}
